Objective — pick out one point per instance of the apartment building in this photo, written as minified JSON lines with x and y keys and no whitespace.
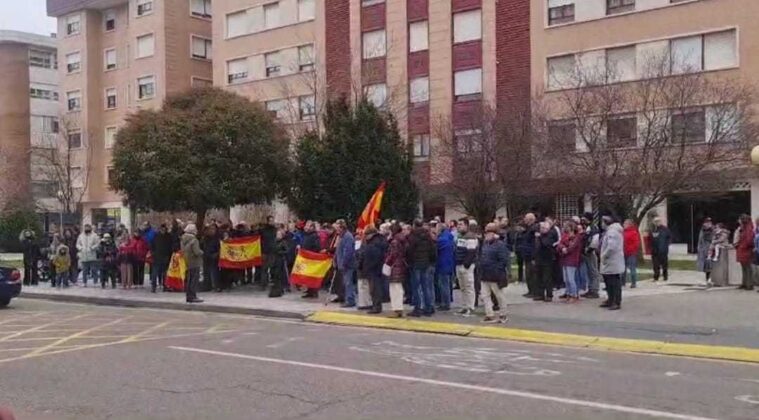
{"x":714,"y":36}
{"x":28,"y":117}
{"x":423,"y":60}
{"x":116,"y":57}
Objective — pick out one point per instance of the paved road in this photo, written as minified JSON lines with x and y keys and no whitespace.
{"x":84,"y":362}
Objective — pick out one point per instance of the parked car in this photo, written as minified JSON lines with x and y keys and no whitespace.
{"x":10,"y":285}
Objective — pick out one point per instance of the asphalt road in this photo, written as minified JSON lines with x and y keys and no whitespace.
{"x":62,"y":361}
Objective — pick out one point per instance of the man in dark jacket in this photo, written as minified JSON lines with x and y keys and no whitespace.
{"x":526,"y":250}
{"x":545,"y":258}
{"x":493,"y":269}
{"x":661,"y":238}
{"x":268,"y":233}
{"x":311,"y":243}
{"x":162,"y":247}
{"x":421,"y":254}
{"x":211,"y":245}
{"x":279,"y":268}
{"x":467,"y":246}
{"x":32,"y":254}
{"x":374,"y":250}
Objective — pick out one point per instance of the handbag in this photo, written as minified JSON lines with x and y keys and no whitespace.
{"x":387,"y":270}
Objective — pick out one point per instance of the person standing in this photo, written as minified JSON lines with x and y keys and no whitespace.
{"x":590,"y":276}
{"x":126,"y":271}
{"x":545,"y":258}
{"x":107,"y":254}
{"x":162,"y":249}
{"x":570,"y":248}
{"x":310,"y":242}
{"x":345,"y":257}
{"x":279,"y":268}
{"x":268,"y":233}
{"x":745,"y":252}
{"x":421,"y":256}
{"x":526,"y":243}
{"x":62,"y":263}
{"x":396,"y":260}
{"x":70,"y":241}
{"x":446,"y":264}
{"x":612,"y":262}
{"x":632,"y":247}
{"x":661,"y":238}
{"x":466,"y":260}
{"x":705,"y":238}
{"x":139,"y":248}
{"x":211,"y":250}
{"x":374,"y":251}
{"x":32,"y":255}
{"x":493,"y":269}
{"x":193,"y":256}
{"x":87,"y":245}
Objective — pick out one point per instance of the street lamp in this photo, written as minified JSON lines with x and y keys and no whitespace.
{"x":60,"y":213}
{"x":755,"y":156}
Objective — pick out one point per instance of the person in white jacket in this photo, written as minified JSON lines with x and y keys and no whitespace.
{"x":86,"y":245}
{"x":612,"y":262}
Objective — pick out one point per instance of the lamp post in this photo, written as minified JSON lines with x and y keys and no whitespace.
{"x":60,"y":213}
{"x":755,"y":156}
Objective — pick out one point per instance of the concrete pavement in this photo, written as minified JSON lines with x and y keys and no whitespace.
{"x":89,"y":362}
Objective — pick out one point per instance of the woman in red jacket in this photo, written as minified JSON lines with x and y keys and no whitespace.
{"x":745,"y":251}
{"x":139,"y":248}
{"x":632,"y":247}
{"x":570,"y":248}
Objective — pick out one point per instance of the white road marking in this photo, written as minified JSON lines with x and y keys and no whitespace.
{"x":508,"y":392}
{"x":282,"y":343}
{"x":751,"y":399}
{"x":671,"y":374}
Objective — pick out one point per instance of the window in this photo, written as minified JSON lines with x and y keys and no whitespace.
{"x":41,"y":93}
{"x":74,"y":100}
{"x":145,"y":45}
{"x":44,"y":59}
{"x":307,"y":106}
{"x":201,"y":8}
{"x":561,"y":71}
{"x":703,"y":52}
{"x":619,"y":6}
{"x":75,"y":140}
{"x":560,"y":11}
{"x":686,"y":54}
{"x":238,"y":24}
{"x":110,"y":137}
{"x":468,"y":141}
{"x":622,"y":131}
{"x":109,"y":20}
{"x":198,"y":82}
{"x":277,"y":108}
{"x":110,"y":98}
{"x":110,"y":59}
{"x":110,"y":173}
{"x":44,"y":189}
{"x":419,"y":91}
{"x":44,"y":124}
{"x":201,"y":48}
{"x":365,"y":3}
{"x":421,"y":146}
{"x":271,"y":15}
{"x":374,"y":44}
{"x":467,"y":26}
{"x":77,"y":176}
{"x":376,"y":94}
{"x":73,"y":24}
{"x":563,"y":134}
{"x":720,"y":50}
{"x":689,"y":126}
{"x":144,"y":7}
{"x":237,"y":70}
{"x":306,"y":57}
{"x":468,"y":84}
{"x":73,"y":62}
{"x":272,"y":64}
{"x":418,"y":36}
{"x":146,"y":87}
{"x":620,"y":64}
{"x":306,"y":10}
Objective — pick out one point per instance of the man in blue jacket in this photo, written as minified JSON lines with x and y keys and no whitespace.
{"x":345,"y":259}
{"x":446,"y":263}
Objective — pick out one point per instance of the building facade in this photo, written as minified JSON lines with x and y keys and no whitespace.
{"x":28,"y":118}
{"x":116,"y":57}
{"x":717,"y":37}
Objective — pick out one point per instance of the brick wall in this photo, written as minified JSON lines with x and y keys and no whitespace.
{"x":338,"y":47}
{"x":513,"y":54}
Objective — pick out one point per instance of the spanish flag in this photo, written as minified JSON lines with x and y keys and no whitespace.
{"x":310,"y":268}
{"x":240,"y":253}
{"x":176,"y":273}
{"x":372,"y":210}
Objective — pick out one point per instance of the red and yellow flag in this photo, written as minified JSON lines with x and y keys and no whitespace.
{"x":240,"y":253}
{"x":176,"y":273}
{"x":310,"y":268}
{"x":372,"y":210}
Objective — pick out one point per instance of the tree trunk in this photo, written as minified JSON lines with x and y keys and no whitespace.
{"x":200,"y":219}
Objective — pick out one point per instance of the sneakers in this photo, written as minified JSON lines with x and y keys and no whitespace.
{"x":490,"y":320}
{"x":590,"y":295}
{"x":464,"y":312}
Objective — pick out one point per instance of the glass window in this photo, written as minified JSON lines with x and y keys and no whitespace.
{"x":110,"y":59}
{"x":561,"y":71}
{"x":110,"y":136}
{"x":563,"y":134}
{"x":306,"y":57}
{"x":371,"y":2}
{"x":201,"y":48}
{"x":467,"y":26}
{"x":560,"y":11}
{"x":201,"y":8}
{"x":306,"y":10}
{"x":419,"y":91}
{"x":619,"y":6}
{"x":44,"y":59}
{"x":374,"y":44}
{"x":418,"y":36}
{"x":622,"y":131}
{"x":689,"y":126}
{"x":146,"y":87}
{"x":272,"y":64}
{"x":307,"y":106}
{"x":686,"y":54}
{"x":376,"y":94}
{"x":468,"y":84}
{"x":144,"y":7}
{"x":621,"y":64}
{"x":238,"y":23}
{"x":73,"y":62}
{"x":75,"y":140}
{"x":73,"y":24}
{"x":110,"y":98}
{"x":237,"y":70}
{"x":277,"y":107}
{"x":421,"y":146}
{"x":74,"y":100}
{"x":109,"y":20}
{"x":271,"y":15}
{"x":720,"y":50}
{"x":145,"y":45}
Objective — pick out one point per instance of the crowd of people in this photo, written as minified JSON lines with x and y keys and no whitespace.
{"x":417,"y":264}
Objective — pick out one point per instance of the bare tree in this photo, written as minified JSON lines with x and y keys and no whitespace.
{"x":630,"y":144}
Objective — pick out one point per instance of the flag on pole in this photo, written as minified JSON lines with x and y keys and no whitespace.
{"x":310,"y":269}
{"x":372,"y":210}
{"x":240,"y":253}
{"x":176,"y":273}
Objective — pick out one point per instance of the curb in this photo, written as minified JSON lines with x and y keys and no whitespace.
{"x":735,"y":354}
{"x":176,"y":306}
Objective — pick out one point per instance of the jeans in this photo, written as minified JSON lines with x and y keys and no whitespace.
{"x":569,"y":280}
{"x":466,"y":283}
{"x":158,"y":274}
{"x":631,"y":265}
{"x":62,"y":279}
{"x":349,"y":287}
{"x":89,"y":268}
{"x":443,"y":282}
{"x":191,"y":283}
{"x":107,"y":273}
{"x":660,"y":263}
{"x":530,"y":277}
{"x":582,"y":276}
{"x":747,"y":280}
{"x":422,"y":285}
{"x":594,"y":276}
{"x":614,"y":288}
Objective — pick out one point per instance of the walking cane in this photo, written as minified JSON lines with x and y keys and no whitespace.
{"x":331,"y":285}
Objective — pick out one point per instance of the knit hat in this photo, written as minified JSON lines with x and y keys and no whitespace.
{"x":191,"y":229}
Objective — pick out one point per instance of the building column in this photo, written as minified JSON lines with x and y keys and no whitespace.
{"x":754,"y":198}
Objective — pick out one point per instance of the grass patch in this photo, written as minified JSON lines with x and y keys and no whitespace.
{"x":673,"y":265}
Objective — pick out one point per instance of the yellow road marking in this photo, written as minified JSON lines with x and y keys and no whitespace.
{"x":72,"y":336}
{"x":137,"y":336}
{"x":38,"y":328}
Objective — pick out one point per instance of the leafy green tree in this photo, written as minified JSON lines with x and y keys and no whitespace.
{"x":13,"y":220}
{"x":337,"y":171}
{"x":206,"y":148}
